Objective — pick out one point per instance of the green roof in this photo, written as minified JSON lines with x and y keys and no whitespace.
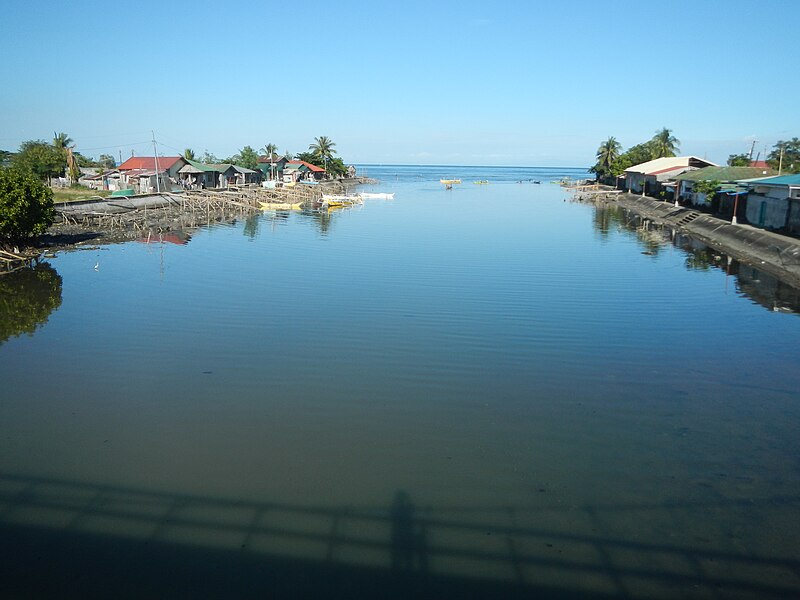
{"x":722,"y":174}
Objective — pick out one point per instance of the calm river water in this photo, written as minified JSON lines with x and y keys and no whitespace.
{"x":488,"y":389}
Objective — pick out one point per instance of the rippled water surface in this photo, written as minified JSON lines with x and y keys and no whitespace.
{"x":484,"y":386}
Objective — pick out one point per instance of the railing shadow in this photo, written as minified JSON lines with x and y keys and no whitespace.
{"x":61,"y":538}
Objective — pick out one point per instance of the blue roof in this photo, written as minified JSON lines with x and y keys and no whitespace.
{"x":782,"y":180}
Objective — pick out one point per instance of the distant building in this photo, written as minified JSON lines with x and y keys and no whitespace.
{"x":652,"y":175}
{"x":170,"y":164}
{"x":728,"y":177}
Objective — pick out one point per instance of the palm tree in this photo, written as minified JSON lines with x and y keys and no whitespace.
{"x":188,"y":154}
{"x":664,"y":143}
{"x":61,"y":140}
{"x":270,"y":150}
{"x":323,"y":148}
{"x":607,"y":153}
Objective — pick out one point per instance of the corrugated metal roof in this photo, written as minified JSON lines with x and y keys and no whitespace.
{"x":782,"y":180}
{"x":149,"y":162}
{"x":723,"y":174}
{"x":660,"y":165}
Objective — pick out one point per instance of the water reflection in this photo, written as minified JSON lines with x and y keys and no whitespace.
{"x":756,"y":285}
{"x":27,"y":298}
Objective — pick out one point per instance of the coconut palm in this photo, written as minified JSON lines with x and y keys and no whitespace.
{"x":270,"y":150}
{"x":61,"y":140}
{"x":188,"y":154}
{"x":664,"y":143}
{"x":323,"y":148}
{"x":607,"y":153}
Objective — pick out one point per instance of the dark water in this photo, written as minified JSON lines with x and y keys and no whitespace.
{"x":486,"y":390}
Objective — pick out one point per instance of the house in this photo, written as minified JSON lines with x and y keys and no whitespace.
{"x":272,"y":168}
{"x":296,"y":170}
{"x":653,"y":175}
{"x":774,"y":203}
{"x":728,"y":177}
{"x":170,"y":164}
{"x":200,"y":175}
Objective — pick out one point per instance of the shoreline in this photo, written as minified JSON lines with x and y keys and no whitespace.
{"x":776,"y":254}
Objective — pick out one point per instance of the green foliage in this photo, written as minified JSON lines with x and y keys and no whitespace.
{"x":270,"y":149}
{"x":40,"y":158}
{"x":635,"y":155}
{"x":208,"y":158}
{"x":664,"y":144}
{"x":607,"y":153}
{"x":709,"y":188}
{"x":322,"y":148}
{"x":26,"y":205}
{"x":6,"y":158}
{"x":27,"y":298}
{"x":107,"y":161}
{"x":791,"y":156}
{"x":61,"y":141}
{"x":188,"y":154}
{"x":309,"y":157}
{"x":739,"y":160}
{"x":247,"y":158}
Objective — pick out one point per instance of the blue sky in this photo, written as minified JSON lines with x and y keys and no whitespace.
{"x":514,"y":83}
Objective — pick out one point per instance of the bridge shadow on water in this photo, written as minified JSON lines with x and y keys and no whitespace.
{"x":68,"y":539}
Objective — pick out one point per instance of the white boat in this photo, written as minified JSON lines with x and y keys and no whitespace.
{"x":376,"y":196}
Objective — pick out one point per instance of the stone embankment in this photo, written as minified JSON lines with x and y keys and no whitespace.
{"x":775,"y":254}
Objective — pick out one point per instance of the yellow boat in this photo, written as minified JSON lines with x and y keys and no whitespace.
{"x":281,"y":205}
{"x":449,"y":181}
{"x":481,"y":182}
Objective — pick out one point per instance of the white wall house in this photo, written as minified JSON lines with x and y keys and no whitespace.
{"x":659,"y":171}
{"x":774,"y":203}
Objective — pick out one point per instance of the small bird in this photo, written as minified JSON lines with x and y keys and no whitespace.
{"x":97,"y":266}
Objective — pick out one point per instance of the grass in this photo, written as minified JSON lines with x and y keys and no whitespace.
{"x":76,"y":193}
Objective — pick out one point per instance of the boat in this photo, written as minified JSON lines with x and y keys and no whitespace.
{"x":340,"y":200}
{"x":449,"y":181}
{"x":376,"y":196}
{"x":481,"y":182}
{"x":281,"y":205}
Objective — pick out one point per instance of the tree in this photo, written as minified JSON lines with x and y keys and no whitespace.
{"x":26,"y":205}
{"x":42,"y":159}
{"x":664,"y":143}
{"x":188,"y":154}
{"x":247,"y":158}
{"x":27,"y":298}
{"x":270,"y":150}
{"x":739,"y":160}
{"x":6,"y":158}
{"x":61,"y":140}
{"x":323,"y":149}
{"x":208,"y":158}
{"x":607,"y":153}
{"x":709,"y":188}
{"x":785,"y":156}
{"x":635,"y":155}
{"x":107,"y":161}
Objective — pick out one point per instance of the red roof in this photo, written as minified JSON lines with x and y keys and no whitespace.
{"x":148,"y":162}
{"x":759,"y":164}
{"x":311,"y":167}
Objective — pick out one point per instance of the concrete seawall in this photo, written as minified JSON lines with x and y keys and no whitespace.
{"x":776,"y":254}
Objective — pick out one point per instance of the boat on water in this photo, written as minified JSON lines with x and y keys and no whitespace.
{"x":336,"y":200}
{"x":281,"y":205}
{"x":481,"y":182}
{"x":449,"y":181}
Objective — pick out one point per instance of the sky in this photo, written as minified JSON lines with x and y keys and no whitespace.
{"x":527,"y":83}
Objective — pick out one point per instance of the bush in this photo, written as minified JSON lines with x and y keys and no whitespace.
{"x":26,"y":205}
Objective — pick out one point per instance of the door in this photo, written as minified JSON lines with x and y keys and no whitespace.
{"x":762,"y":214}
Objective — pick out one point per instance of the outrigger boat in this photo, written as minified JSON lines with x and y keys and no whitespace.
{"x":481,"y":182}
{"x":376,"y":196}
{"x":281,"y":205}
{"x":449,"y":181}
{"x":335,"y":200}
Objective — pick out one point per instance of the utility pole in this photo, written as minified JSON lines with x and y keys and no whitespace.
{"x":752,"y":147}
{"x":155,"y":158}
{"x":780,"y":162}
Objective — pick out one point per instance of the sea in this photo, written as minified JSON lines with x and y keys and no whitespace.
{"x":490,"y":390}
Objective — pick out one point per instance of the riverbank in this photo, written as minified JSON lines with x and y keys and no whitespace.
{"x":775,"y":254}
